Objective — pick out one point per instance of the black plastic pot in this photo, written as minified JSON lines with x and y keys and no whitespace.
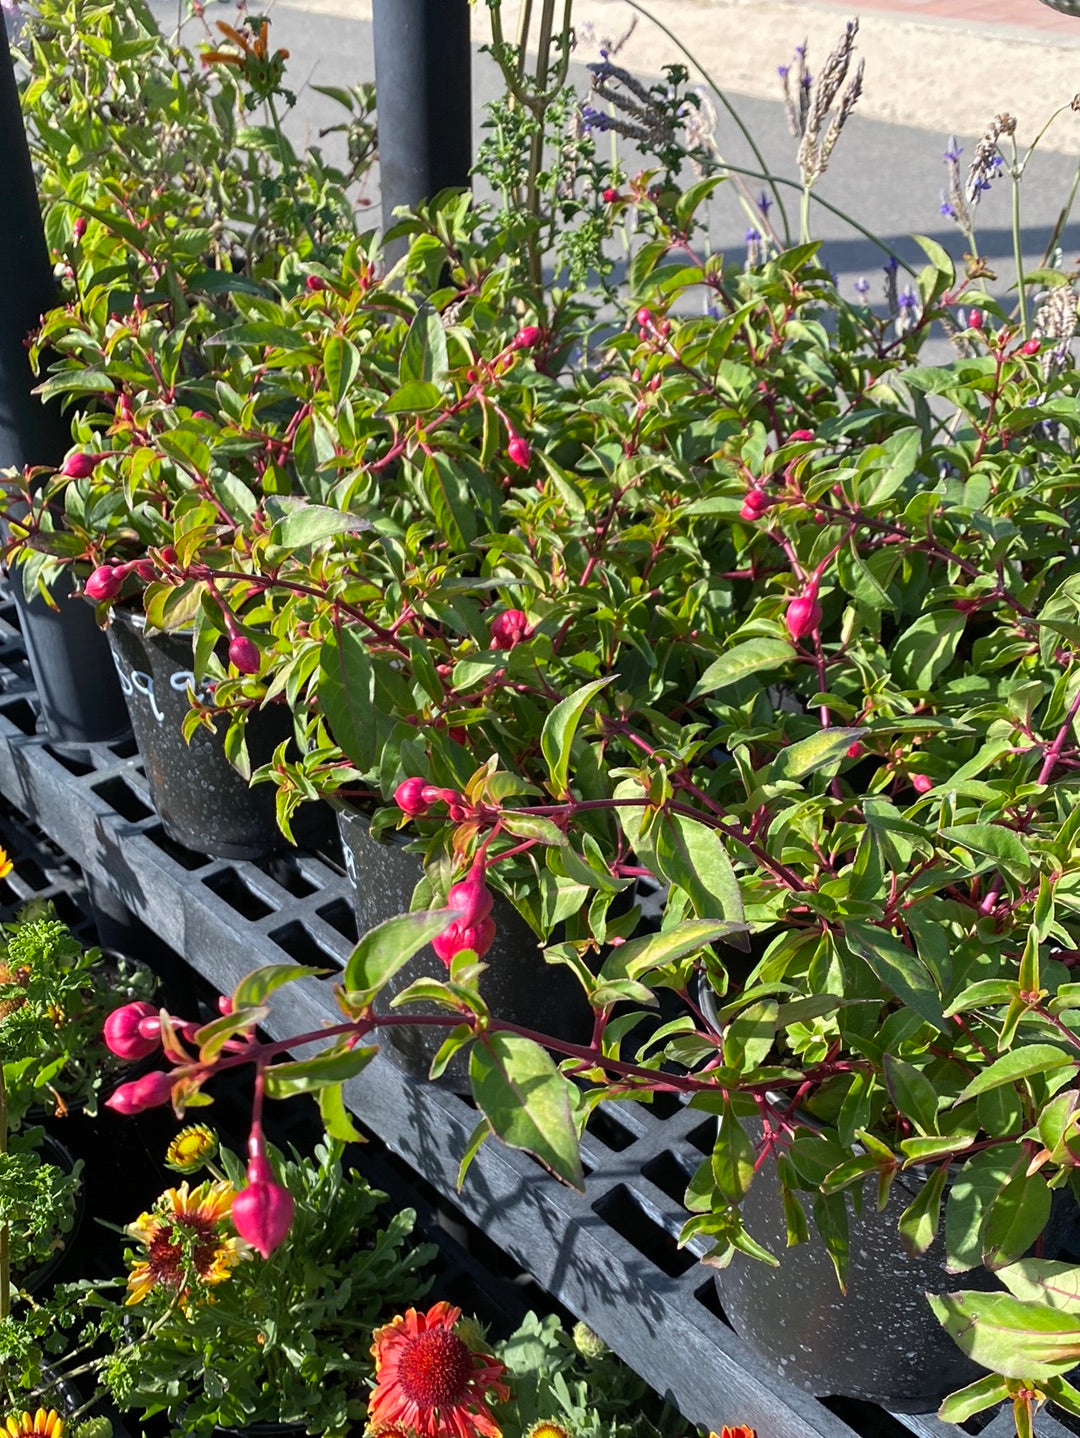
{"x":75,"y":678}
{"x":518,"y":985}
{"x":204,"y":803}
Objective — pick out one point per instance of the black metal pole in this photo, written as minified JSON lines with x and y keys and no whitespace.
{"x":73,"y":672}
{"x":422,"y":91}
{"x":30,"y":432}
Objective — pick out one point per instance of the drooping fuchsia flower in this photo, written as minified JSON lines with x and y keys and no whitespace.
{"x":803,"y":616}
{"x":262,"y":1213}
{"x":409,"y":797}
{"x":80,"y":465}
{"x":474,"y":928}
{"x":151,"y":1091}
{"x":527,"y":337}
{"x":509,"y":628}
{"x":133,"y":1031}
{"x":105,"y":582}
{"x":754,"y":505}
{"x":518,"y":451}
{"x":244,"y":654}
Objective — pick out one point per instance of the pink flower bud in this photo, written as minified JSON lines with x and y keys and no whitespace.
{"x":528,"y":337}
{"x":644,"y":316}
{"x":799,"y":435}
{"x":856,"y":750}
{"x":458,"y":935}
{"x":79,"y":228}
{"x":150,"y":1091}
{"x":80,"y":465}
{"x":262,"y":1213}
{"x":975,"y":319}
{"x":754,"y":505}
{"x":1031,"y":347}
{"x":518,"y":452}
{"x":225,"y":1004}
{"x":432,"y":794}
{"x":803,"y":617}
{"x":610,"y":195}
{"x":473,"y":898}
{"x":123,"y":1031}
{"x":509,"y":628}
{"x":315,"y":282}
{"x":409,"y":797}
{"x":104,"y":583}
{"x":921,"y":783}
{"x":244,"y":653}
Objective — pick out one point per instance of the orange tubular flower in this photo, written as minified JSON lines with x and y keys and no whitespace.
{"x":429,"y":1382}
{"x":257,"y":48}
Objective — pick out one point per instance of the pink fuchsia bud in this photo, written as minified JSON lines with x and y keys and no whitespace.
{"x":1031,"y":346}
{"x":518,"y":452}
{"x":509,"y":628}
{"x":457,"y":936}
{"x":803,"y":617}
{"x":644,"y":316}
{"x":473,"y":898}
{"x":800,"y":435}
{"x":144,"y":568}
{"x":315,"y":283}
{"x":856,"y":750}
{"x":80,"y":465}
{"x":79,"y":228}
{"x":610,"y":195}
{"x":409,"y":797}
{"x":528,"y":337}
{"x":262,"y":1213}
{"x":432,"y":794}
{"x":150,"y":1091}
{"x":123,"y":1032}
{"x":105,"y":582}
{"x":244,"y":654}
{"x":975,"y":319}
{"x":754,"y":505}
{"x":921,"y":783}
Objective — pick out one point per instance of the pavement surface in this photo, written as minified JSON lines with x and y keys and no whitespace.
{"x":933,"y":68}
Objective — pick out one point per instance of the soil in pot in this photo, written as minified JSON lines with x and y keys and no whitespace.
{"x":518,"y":985}
{"x":204,"y":803}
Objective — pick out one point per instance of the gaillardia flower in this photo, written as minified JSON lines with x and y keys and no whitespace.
{"x":191,"y":1148}
{"x":33,"y":1425}
{"x":430,"y":1382}
{"x":188,"y":1240}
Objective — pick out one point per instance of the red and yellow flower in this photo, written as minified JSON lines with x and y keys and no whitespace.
{"x":430,"y":1382}
{"x":41,"y":1424}
{"x":189,"y":1242}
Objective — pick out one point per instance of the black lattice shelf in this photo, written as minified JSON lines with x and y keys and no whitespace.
{"x":609,"y":1255}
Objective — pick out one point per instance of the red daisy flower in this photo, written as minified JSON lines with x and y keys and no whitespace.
{"x":430,"y":1382}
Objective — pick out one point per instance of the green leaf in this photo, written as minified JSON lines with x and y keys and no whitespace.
{"x":1044,"y":1281}
{"x":560,"y":726}
{"x":1017,"y":1340}
{"x":806,"y":756}
{"x":424,"y":354}
{"x":341,"y":365}
{"x":416,"y":397}
{"x":533,"y":826}
{"x":983,"y":992}
{"x":966,"y":1402}
{"x":911,"y":1092}
{"x":898,"y":968}
{"x":692,"y":856}
{"x":347,"y":696}
{"x":526,"y":1100}
{"x":385,"y":949}
{"x":480,"y":1134}
{"x":335,"y":1116}
{"x":257,"y":986}
{"x":305,"y":523}
{"x":1017,"y":1215}
{"x":310,"y":1075}
{"x":1018,"y":1064}
{"x":926,"y":648}
{"x":752,"y":656}
{"x":638,"y":956}
{"x":732,"y":1163}
{"x":991,"y":841}
{"x":918,"y":1224}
